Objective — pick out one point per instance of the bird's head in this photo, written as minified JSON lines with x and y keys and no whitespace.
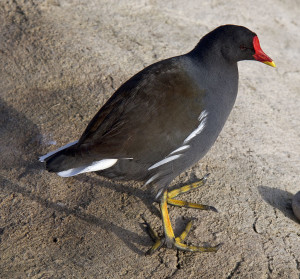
{"x":235,"y":43}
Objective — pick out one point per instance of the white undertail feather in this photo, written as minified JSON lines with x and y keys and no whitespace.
{"x":42,"y":158}
{"x":95,"y":166}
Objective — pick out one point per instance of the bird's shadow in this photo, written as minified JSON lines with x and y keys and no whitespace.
{"x":20,"y":145}
{"x":279,"y":199}
{"x":129,"y":238}
{"x":19,"y":141}
{"x":144,"y":194}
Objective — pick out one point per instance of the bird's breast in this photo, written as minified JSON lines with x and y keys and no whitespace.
{"x":220,"y":91}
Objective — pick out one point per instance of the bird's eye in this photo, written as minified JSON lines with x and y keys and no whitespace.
{"x":242,"y":47}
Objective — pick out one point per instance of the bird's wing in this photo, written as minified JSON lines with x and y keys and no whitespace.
{"x":147,"y":117}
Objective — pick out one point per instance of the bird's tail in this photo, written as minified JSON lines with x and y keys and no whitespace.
{"x":68,"y":161}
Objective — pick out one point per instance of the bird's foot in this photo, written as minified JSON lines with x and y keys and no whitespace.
{"x":169,"y":238}
{"x":175,"y":243}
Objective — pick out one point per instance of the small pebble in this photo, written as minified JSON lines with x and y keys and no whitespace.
{"x":296,"y":205}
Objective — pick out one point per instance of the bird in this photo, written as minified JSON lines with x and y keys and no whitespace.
{"x":163,"y":120}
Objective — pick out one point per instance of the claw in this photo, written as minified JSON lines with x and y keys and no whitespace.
{"x":212,"y":208}
{"x":206,"y":176}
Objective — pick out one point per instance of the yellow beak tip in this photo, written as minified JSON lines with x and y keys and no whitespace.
{"x":272,"y":64}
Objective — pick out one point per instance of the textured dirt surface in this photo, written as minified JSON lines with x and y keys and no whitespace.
{"x":60,"y":60}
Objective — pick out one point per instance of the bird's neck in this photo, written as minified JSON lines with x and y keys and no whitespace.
{"x":208,"y":52}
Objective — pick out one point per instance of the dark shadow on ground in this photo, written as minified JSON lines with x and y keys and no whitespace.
{"x":129,"y":238}
{"x":138,"y":191}
{"x":279,"y":199}
{"x":19,"y":140}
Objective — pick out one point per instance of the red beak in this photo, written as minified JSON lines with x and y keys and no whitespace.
{"x":260,"y":55}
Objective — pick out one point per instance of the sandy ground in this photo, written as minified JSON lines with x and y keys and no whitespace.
{"x":60,"y":60}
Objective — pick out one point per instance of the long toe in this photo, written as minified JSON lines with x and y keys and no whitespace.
{"x":158,"y":241}
{"x":191,"y":248}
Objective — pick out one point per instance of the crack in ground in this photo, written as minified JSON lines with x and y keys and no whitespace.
{"x":297,"y":264}
{"x":291,"y":252}
{"x":275,"y":212}
{"x":254,"y":225}
{"x":178,"y":265}
{"x":235,"y":269}
{"x":270,"y":260}
{"x":155,"y":268}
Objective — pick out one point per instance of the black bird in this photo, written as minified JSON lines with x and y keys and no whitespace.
{"x":163,"y":120}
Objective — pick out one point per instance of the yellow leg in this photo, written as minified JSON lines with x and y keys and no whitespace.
{"x":168,"y":230}
{"x":169,"y":238}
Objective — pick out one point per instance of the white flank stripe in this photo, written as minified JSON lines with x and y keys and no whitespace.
{"x":184,"y":147}
{"x":95,"y":166}
{"x":203,"y":114}
{"x":159,"y":194}
{"x":195,"y":132}
{"x":164,"y":161}
{"x":42,"y":158}
{"x":199,"y":129}
{"x":152,"y":178}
